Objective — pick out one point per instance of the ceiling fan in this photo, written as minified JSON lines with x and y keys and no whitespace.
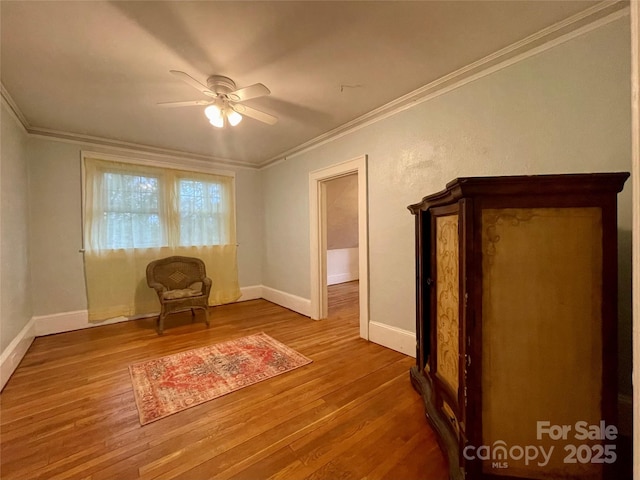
{"x":225,"y":105}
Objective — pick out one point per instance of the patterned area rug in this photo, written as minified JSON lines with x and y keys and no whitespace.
{"x":173,"y":383}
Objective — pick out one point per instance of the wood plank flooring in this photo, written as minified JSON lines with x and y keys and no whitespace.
{"x":69,"y":411}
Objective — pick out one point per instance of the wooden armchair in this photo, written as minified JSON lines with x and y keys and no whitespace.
{"x":181,"y":284}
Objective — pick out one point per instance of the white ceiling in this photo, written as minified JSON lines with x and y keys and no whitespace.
{"x":98,"y":68}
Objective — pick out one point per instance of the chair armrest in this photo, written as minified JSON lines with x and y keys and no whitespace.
{"x":158,"y":287}
{"x":206,"y":286}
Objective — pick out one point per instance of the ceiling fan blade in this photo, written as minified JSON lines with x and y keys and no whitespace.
{"x":188,"y":103}
{"x":193,"y":82}
{"x":255,"y":114}
{"x":246,"y":93}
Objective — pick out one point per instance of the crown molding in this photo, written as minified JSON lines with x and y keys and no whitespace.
{"x":13,"y":109}
{"x":583,"y":22}
{"x":137,"y":148}
{"x":572,"y":27}
{"x":115,"y":145}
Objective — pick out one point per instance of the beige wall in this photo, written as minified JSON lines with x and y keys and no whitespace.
{"x":15,"y":282}
{"x":563,"y":110}
{"x":342,"y":212}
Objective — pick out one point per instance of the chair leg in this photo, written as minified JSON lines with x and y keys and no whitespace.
{"x":160,"y":324}
{"x":206,"y":316}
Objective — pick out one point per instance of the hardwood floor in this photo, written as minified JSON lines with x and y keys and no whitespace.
{"x":69,"y":411}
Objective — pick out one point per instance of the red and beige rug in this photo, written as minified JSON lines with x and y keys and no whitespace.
{"x":167,"y":385}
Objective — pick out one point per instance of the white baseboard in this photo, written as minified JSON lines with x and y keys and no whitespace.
{"x":15,"y":351}
{"x":341,"y":278}
{"x":68,"y":321}
{"x":250,"y":293}
{"x":287,"y":300}
{"x":394,"y":338}
{"x":625,"y":414}
{"x":292,"y":302}
{"x":61,"y":322}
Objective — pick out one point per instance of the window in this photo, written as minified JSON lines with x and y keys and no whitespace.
{"x":201,"y":211}
{"x":131,"y":212}
{"x":134,"y":214}
{"x":135,"y":206}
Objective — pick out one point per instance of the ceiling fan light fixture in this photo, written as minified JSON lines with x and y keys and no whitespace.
{"x":215,"y":115}
{"x":213,"y":112}
{"x":225,"y":106}
{"x":219,"y":116}
{"x":234,"y":117}
{"x":217,"y":122}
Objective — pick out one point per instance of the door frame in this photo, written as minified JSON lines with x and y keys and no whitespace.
{"x":318,"y":237}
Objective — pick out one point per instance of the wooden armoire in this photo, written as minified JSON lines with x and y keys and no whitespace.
{"x":517,"y":324}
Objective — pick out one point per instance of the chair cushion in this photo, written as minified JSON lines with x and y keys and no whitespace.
{"x":193,"y":290}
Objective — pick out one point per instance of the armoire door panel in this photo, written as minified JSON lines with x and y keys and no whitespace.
{"x":447,"y":305}
{"x":541,"y":331}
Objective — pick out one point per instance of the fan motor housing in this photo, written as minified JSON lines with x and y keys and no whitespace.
{"x":220,"y":84}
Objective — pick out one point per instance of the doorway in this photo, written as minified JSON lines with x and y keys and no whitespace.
{"x":342,"y":246}
{"x":318,"y":238}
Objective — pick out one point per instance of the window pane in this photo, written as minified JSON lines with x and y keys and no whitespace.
{"x":202,"y":213}
{"x":131,"y":215}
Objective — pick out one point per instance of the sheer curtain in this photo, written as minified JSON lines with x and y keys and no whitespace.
{"x":134,"y":214}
